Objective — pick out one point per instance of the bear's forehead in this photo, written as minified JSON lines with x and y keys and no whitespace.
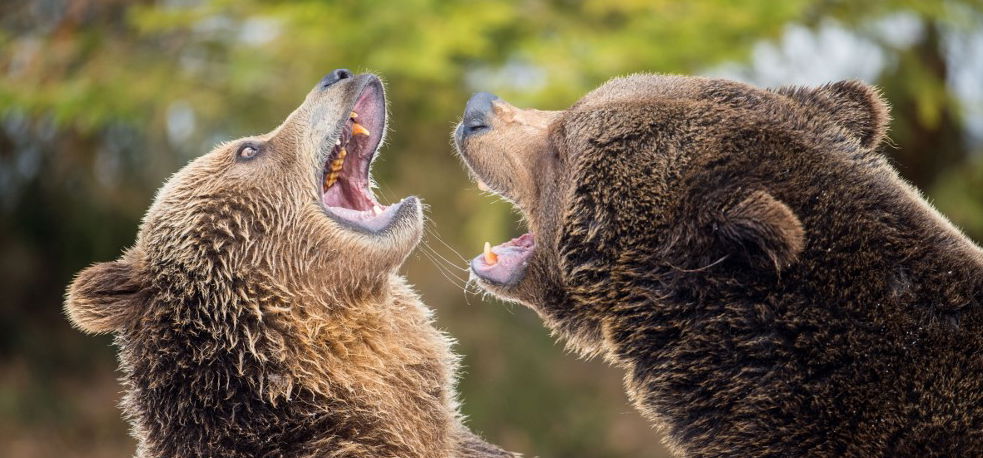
{"x":637,"y":87}
{"x":653,"y":85}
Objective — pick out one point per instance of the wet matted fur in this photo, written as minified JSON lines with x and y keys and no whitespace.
{"x":251,"y":323}
{"x":768,"y":282}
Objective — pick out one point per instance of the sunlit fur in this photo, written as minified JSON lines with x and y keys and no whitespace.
{"x":767,"y":281}
{"x":249,"y":323}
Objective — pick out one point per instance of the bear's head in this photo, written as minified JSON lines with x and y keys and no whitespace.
{"x":262,"y":234}
{"x":658,"y":172}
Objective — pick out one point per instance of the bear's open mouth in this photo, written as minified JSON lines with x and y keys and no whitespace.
{"x":345,"y":181}
{"x":504,"y":264}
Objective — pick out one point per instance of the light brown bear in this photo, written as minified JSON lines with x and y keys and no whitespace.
{"x":769,"y":284}
{"x":259,"y":312}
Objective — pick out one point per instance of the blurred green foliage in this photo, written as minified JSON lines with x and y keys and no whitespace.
{"x":100,"y":100}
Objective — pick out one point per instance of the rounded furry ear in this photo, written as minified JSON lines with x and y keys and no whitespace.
{"x":104,"y":297}
{"x":857,"y":107}
{"x":763,"y":226}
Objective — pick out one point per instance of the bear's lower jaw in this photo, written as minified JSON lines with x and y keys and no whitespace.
{"x":373,"y":221}
{"x":504,"y":264}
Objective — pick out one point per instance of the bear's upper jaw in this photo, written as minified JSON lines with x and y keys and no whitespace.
{"x":345,"y":189}
{"x":504,"y":264}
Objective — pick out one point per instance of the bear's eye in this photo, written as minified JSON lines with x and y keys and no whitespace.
{"x":247,"y":151}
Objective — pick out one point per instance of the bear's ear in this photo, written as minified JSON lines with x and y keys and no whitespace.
{"x":857,"y":107}
{"x":764,"y":228}
{"x":105,"y":297}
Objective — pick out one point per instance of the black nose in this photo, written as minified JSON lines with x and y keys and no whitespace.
{"x":476,"y":114}
{"x":334,"y":77}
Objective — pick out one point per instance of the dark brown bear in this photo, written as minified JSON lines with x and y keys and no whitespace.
{"x":768,"y":282}
{"x":259,"y":312}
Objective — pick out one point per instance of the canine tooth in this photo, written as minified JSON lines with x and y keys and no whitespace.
{"x":490,"y":257}
{"x":353,"y":115}
{"x":377,"y":210}
{"x":358,"y":129}
{"x":337,"y":142}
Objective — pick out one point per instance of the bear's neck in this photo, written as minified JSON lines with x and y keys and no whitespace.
{"x":209,"y":377}
{"x":830,"y":356}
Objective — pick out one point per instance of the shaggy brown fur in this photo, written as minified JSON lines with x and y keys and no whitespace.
{"x":768,"y":282}
{"x":249,"y":323}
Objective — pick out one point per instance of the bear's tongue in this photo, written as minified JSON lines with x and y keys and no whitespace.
{"x":504,"y":264}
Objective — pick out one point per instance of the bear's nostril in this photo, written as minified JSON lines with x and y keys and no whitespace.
{"x":474,"y":127}
{"x":476,"y":114}
{"x":334,"y":77}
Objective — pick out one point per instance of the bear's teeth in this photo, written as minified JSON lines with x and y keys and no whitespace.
{"x":336,"y":165}
{"x":358,"y":129}
{"x":353,"y":115}
{"x":339,"y":162}
{"x":490,"y":257}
